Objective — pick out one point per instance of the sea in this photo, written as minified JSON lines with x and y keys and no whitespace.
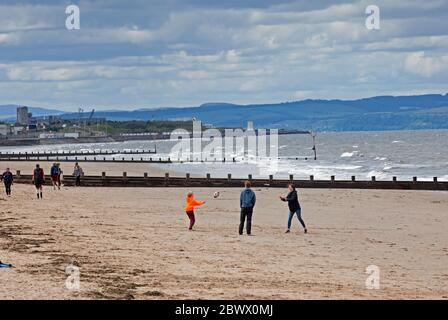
{"x":403,"y":154}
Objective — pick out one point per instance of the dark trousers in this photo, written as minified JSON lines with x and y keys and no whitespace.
{"x":298,"y":212}
{"x":246,"y":214}
{"x":190,"y":215}
{"x":8,"y":188}
{"x":78,"y":181}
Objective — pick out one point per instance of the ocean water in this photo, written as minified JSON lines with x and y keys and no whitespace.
{"x":404,"y":154}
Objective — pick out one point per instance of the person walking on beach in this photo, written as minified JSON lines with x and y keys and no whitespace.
{"x":59,"y":175}
{"x":54,"y":172}
{"x":8,"y":179}
{"x":78,"y":173}
{"x":38,"y":180}
{"x":294,"y":207}
{"x":247,"y":204}
{"x":191,"y":203}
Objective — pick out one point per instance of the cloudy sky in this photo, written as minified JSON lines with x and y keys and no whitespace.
{"x":159,"y":53}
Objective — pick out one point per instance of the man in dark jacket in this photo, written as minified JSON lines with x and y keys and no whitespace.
{"x":54,"y":172}
{"x":38,"y":180}
{"x":247,"y":203}
{"x":294,"y":207}
{"x":8,"y":179}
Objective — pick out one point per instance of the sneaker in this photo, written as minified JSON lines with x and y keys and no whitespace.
{"x":288,"y":231}
{"x":306,"y":231}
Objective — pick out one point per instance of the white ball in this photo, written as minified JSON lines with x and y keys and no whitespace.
{"x":216,"y":194}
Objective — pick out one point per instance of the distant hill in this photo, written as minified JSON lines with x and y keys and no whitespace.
{"x":377,"y":113}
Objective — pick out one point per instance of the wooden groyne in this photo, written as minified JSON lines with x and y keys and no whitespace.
{"x":167,"y":181}
{"x":71,"y":153}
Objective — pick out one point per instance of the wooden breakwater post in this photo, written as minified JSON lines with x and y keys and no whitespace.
{"x":434,"y":179}
{"x":373,"y":178}
{"x":147,"y":179}
{"x":353,"y":178}
{"x":312,"y":178}
{"x":103,"y":178}
{"x":167,"y":179}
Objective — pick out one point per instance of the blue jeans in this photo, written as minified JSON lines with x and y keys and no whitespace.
{"x":299,"y":216}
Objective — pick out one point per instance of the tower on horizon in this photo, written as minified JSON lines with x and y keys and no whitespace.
{"x":23,"y":116}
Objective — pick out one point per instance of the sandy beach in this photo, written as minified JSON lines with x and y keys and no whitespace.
{"x":91,"y":168}
{"x":133,"y":243}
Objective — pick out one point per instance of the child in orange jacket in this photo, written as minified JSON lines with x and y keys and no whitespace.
{"x":191,"y":203}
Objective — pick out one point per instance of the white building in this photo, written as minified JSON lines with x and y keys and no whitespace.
{"x":5,"y":129}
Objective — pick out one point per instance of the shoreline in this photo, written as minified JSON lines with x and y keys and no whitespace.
{"x":91,"y":168}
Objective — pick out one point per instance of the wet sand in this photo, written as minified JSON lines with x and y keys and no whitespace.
{"x":91,"y":168}
{"x":133,"y":243}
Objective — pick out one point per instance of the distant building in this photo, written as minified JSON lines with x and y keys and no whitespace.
{"x":52,"y":120}
{"x":23,"y":116}
{"x":5,"y":129}
{"x":16,"y":130}
{"x":71,"y":135}
{"x":9,"y":130}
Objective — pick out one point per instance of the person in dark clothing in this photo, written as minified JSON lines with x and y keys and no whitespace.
{"x":247,"y":204}
{"x":54,"y":172}
{"x":78,"y":173}
{"x":8,"y":179}
{"x":38,"y":180}
{"x":60,"y":172}
{"x":294,"y":207}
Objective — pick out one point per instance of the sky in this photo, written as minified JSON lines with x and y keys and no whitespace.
{"x":177,"y":53}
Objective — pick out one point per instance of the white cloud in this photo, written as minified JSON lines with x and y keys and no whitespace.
{"x":419,"y":63}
